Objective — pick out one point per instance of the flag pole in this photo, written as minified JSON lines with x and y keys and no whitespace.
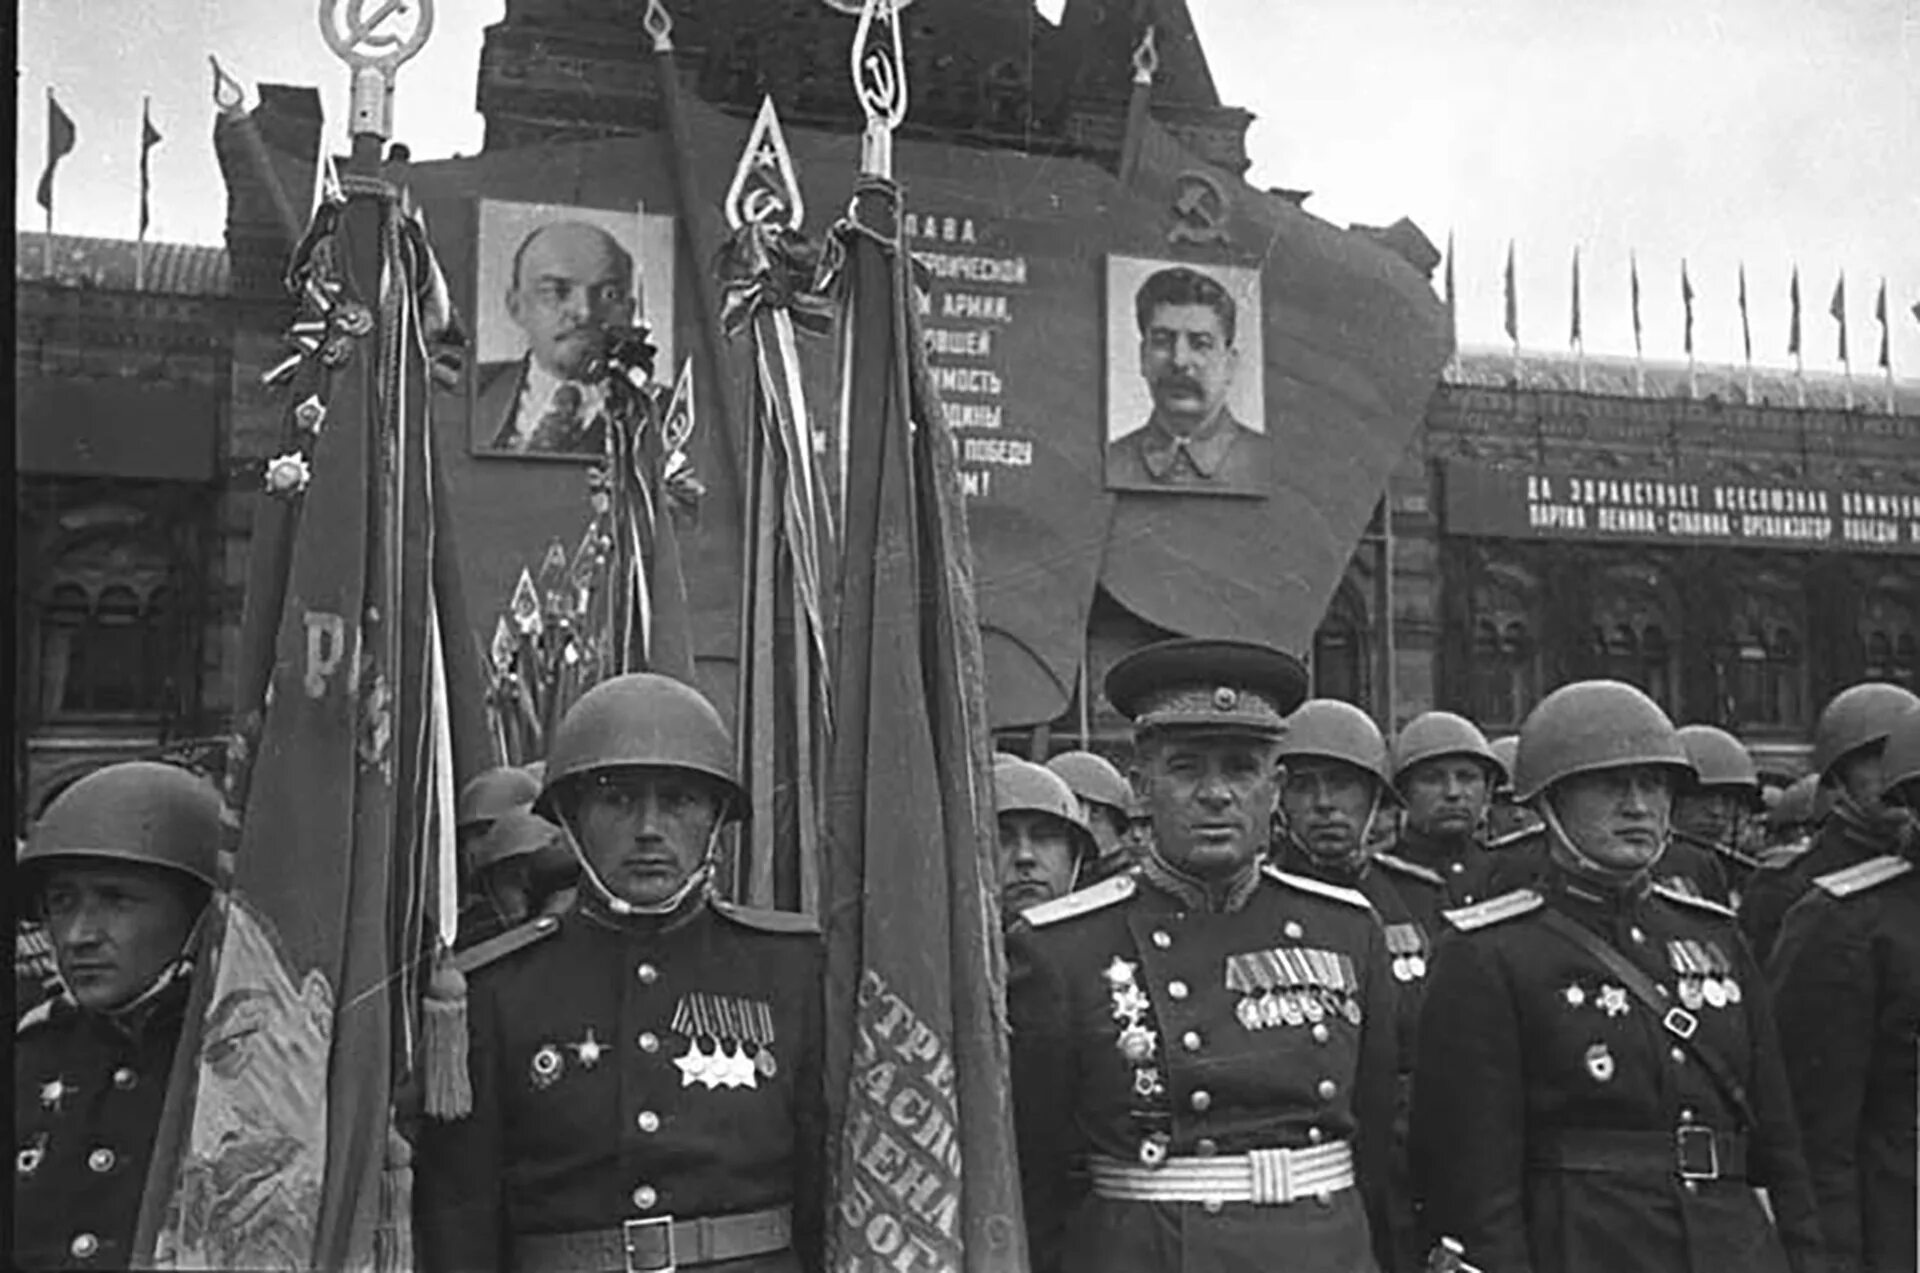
{"x":1578,"y":338}
{"x":1146,"y":60}
{"x":1639,"y":359}
{"x":46,"y":240}
{"x":140,"y":239}
{"x":1453,"y":312}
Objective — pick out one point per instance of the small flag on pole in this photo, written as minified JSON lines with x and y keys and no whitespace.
{"x":1574,"y":338}
{"x":149,"y":138}
{"x":1886,"y":350}
{"x":1453,"y":313}
{"x":60,"y":139}
{"x":1837,"y":307}
{"x":1793,"y":340}
{"x":1686,"y":300}
{"x":1746,"y":330}
{"x":1513,"y":303}
{"x":1639,"y":350}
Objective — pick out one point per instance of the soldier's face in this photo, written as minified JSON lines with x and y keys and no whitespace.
{"x":116,"y":928}
{"x":1036,"y":859}
{"x":1618,"y":817}
{"x":1212,"y":799}
{"x":573,"y":284}
{"x":1187,"y":363}
{"x":644,"y":830}
{"x":1718,"y":816}
{"x":1446,"y":797}
{"x":1863,"y":775}
{"x":1329,"y":805}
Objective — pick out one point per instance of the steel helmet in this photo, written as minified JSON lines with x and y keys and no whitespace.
{"x":140,"y":811}
{"x":1504,"y":749}
{"x":1021,"y":786}
{"x":1094,"y":779}
{"x":1720,"y":760}
{"x":1857,"y":717}
{"x":1336,"y":730}
{"x":641,"y":718}
{"x":1901,"y":763}
{"x":1593,"y":725}
{"x":1431,"y":735}
{"x":494,"y":794}
{"x":517,"y":833}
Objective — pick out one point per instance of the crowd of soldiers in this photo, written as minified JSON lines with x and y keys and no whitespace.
{"x":1288,"y":995}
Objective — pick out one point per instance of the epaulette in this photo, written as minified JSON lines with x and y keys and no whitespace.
{"x":1862,"y":876}
{"x":1082,"y":901}
{"x":1494,"y":910}
{"x":481,"y":954}
{"x":764,"y":920}
{"x":38,"y":1015}
{"x":1698,"y":903}
{"x":1511,"y":838}
{"x":1352,"y":897}
{"x":1399,"y":864}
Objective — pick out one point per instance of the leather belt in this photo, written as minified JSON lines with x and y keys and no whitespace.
{"x":657,"y":1244}
{"x":1689,"y":1152}
{"x":1265,"y":1177}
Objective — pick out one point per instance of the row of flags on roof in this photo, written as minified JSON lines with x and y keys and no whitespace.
{"x":1795,"y":342}
{"x":62,"y":136}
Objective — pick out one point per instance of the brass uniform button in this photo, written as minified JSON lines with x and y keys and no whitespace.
{"x":101,"y":1161}
{"x":84,"y":1246}
{"x":1190,"y":1041}
{"x":1161,"y":938}
{"x":648,"y":1121}
{"x":1206,"y":1147}
{"x":1176,"y":989}
{"x":647,"y":973}
{"x":1328,"y":1089}
{"x":1201,"y":1100}
{"x":645,"y":1198}
{"x":649,"y":1041}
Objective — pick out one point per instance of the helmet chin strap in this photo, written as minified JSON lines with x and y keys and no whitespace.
{"x":1585,"y":861}
{"x":696,"y":878}
{"x":1361,"y":838}
{"x":176,"y":968}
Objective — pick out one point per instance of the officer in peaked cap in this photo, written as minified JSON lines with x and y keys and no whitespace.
{"x":1203,"y":1050}
{"x":1846,"y":975}
{"x":645,"y":1069}
{"x":1044,"y":840}
{"x":121,"y":866}
{"x":1848,"y":741}
{"x":1444,"y":772}
{"x":1107,"y":802}
{"x":1334,"y":789}
{"x":1598,"y":1084}
{"x":1711,"y":813}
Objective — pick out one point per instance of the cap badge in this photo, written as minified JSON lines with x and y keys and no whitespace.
{"x":1225,"y":698}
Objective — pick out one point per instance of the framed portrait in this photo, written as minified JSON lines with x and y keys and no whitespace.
{"x":549,"y":279}
{"x":1186,"y":403}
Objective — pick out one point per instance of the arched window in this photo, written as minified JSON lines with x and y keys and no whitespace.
{"x":1340,"y":650}
{"x":1633,"y":632}
{"x":1890,"y":635}
{"x":1503,"y":676}
{"x":109,"y":652}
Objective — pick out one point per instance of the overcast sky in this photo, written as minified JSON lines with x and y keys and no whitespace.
{"x":1719,"y":131}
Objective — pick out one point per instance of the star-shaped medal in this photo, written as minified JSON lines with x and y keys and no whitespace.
{"x":1119,"y":972}
{"x":1613,"y":1000}
{"x":695,"y":1067}
{"x":588,"y":1050}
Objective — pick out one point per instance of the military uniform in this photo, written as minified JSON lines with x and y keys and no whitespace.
{"x":1430,"y":880}
{"x":641,"y":1073}
{"x":1774,"y":889}
{"x":1683,"y":867}
{"x":1846,"y":977}
{"x":1145,"y":1029}
{"x":1560,"y":1127}
{"x":87,"y":1092}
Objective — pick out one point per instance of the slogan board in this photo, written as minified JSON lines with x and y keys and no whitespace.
{"x":1678,"y":509}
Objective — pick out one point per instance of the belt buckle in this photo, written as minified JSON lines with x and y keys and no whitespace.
{"x":1680,"y":1023}
{"x":633,"y":1235}
{"x":1697,"y":1153}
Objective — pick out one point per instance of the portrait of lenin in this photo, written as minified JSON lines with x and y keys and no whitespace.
{"x":1197,"y":361}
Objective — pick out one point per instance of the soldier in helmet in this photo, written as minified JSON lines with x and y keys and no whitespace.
{"x":1335,"y":786}
{"x":1848,"y":740}
{"x":1792,"y":819}
{"x":1846,"y":977}
{"x":121,"y":866}
{"x":1599,"y":1085}
{"x":1044,"y":840}
{"x":1203,"y":1050}
{"x":488,"y":796}
{"x":645,"y":1069}
{"x":1507,"y":819}
{"x":522,"y":867}
{"x":1106,"y":801}
{"x":1444,"y":772}
{"x":1710,"y":814}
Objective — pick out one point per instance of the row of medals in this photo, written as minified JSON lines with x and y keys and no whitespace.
{"x":1308,"y":1005}
{"x":722,"y":1067}
{"x":1714,"y":992}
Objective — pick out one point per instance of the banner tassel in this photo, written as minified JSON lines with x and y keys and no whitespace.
{"x":393,"y":1234}
{"x":443,"y":1043}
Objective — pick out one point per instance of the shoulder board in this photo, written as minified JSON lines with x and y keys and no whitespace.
{"x":1352,"y":897}
{"x":1707,"y":904}
{"x":1494,"y":910}
{"x":1400,"y":866}
{"x":1082,"y":901}
{"x":1511,"y":839}
{"x":38,"y":1015}
{"x":1862,"y":876}
{"x":764,"y":920}
{"x":478,"y":956}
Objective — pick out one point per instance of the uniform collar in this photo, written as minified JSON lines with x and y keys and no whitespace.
{"x":1206,"y":450}
{"x":1298,"y":861}
{"x":593,"y":908}
{"x":1431,"y":851}
{"x":1197,"y":894}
